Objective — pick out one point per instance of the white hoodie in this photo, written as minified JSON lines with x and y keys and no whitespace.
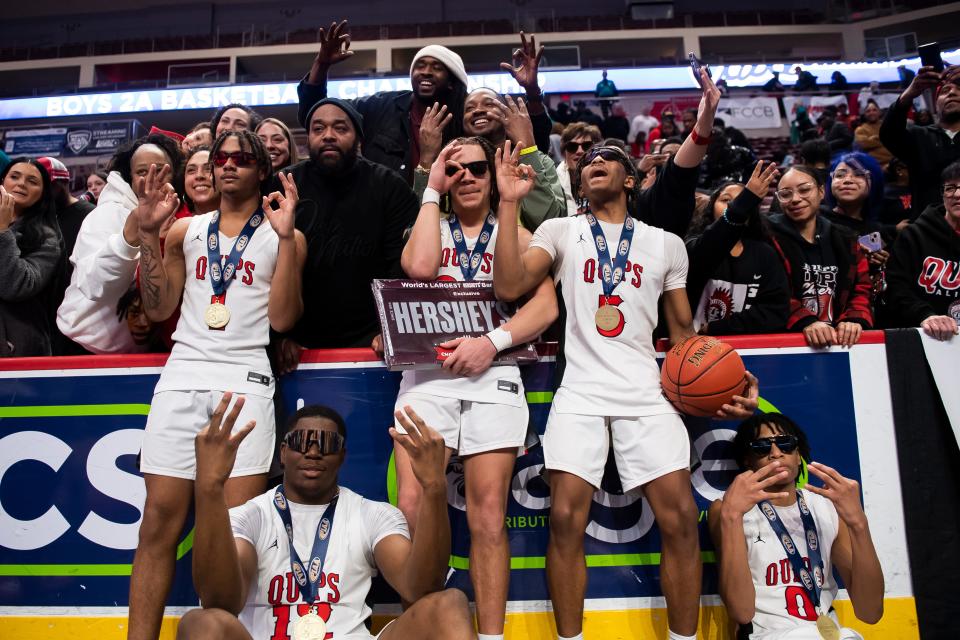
{"x":104,"y":266}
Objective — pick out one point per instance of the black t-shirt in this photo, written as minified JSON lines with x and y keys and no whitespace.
{"x":354,"y":225}
{"x":820,"y":272}
{"x":70,"y":220}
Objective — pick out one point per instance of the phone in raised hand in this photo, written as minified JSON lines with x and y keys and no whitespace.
{"x":696,"y":66}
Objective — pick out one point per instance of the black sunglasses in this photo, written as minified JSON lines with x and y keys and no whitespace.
{"x":571,"y":147}
{"x":762,"y":446}
{"x":240,"y":158}
{"x":610,"y":154}
{"x":300,"y":440}
{"x":477,"y":169}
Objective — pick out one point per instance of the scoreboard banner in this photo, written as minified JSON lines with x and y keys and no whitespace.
{"x":71,"y":496}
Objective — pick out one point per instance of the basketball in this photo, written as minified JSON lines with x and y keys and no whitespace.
{"x":701,"y":374}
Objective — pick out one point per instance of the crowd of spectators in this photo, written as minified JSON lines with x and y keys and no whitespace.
{"x":853,"y":206}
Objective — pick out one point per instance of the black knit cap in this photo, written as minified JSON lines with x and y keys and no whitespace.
{"x":344,"y":106}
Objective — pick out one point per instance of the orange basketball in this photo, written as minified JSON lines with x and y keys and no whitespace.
{"x":701,"y":374}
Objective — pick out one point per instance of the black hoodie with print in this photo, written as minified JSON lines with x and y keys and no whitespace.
{"x":923,"y":273}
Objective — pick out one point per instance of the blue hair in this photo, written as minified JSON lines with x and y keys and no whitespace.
{"x":864,"y":163}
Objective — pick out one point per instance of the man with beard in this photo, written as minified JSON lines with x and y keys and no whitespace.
{"x":353,"y":213}
{"x":928,"y":150}
{"x":392,"y":118}
{"x":497,"y":119}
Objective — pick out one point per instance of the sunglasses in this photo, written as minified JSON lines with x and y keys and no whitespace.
{"x":610,"y":154}
{"x":240,"y":158}
{"x":785,"y":443}
{"x":477,"y":169}
{"x":571,"y":147}
{"x":301,"y":440}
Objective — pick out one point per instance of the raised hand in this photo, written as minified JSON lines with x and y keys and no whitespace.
{"x":844,"y":493}
{"x":926,"y":78}
{"x":425,"y":447}
{"x":157,"y":199}
{"x":708,"y":105}
{"x":438,"y":179}
{"x":471,"y":356}
{"x":745,"y":405}
{"x":526,"y":62}
{"x":7,"y":209}
{"x":282,"y":218}
{"x":334,"y":45}
{"x":216,"y":445}
{"x":514,"y":180}
{"x":435,"y":120}
{"x":750,"y":487}
{"x":761,"y":179}
{"x":515,"y":118}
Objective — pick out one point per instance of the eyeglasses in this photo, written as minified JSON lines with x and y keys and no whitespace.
{"x":843,"y":174}
{"x":804,"y":191}
{"x":477,"y":169}
{"x":571,"y":147}
{"x":301,"y":440}
{"x":610,"y":154}
{"x":240,"y":158}
{"x":785,"y":443}
{"x":950,"y":190}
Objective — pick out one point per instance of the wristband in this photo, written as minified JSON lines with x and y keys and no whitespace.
{"x":524,"y":152}
{"x":501,"y":339}
{"x":430,"y":195}
{"x":731,"y":222}
{"x":700,"y":140}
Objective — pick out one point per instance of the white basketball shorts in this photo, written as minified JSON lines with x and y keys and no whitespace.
{"x":175,"y":419}
{"x":470,"y":427}
{"x":645,"y":447}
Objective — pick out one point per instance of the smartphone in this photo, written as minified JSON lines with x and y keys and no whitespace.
{"x":695,"y":65}
{"x":871,"y":242}
{"x":930,"y":56}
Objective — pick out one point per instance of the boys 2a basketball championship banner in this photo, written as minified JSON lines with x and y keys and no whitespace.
{"x":71,"y":496}
{"x":417,"y":317}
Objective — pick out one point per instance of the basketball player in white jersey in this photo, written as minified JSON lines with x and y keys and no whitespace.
{"x":480,"y":410}
{"x":258,"y":579}
{"x":776,"y":563}
{"x":237,"y":278}
{"x":609,"y":391}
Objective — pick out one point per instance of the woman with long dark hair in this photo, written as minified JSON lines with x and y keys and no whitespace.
{"x":830,"y":299}
{"x":479,"y":409}
{"x":736,"y":284}
{"x":31,"y":251}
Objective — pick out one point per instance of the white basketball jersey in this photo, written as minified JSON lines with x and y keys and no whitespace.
{"x":782,"y":603}
{"x":274,"y":603}
{"x":615,"y":374}
{"x":233,"y":358}
{"x":498,"y":384}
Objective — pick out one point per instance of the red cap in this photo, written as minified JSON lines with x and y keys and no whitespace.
{"x":55,"y":169}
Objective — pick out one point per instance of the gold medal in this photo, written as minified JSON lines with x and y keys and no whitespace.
{"x":216,"y":316}
{"x":607,"y":317}
{"x":309,"y":627}
{"x":827,"y":627}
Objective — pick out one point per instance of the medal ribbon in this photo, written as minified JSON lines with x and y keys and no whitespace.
{"x":221,"y":273}
{"x":807,"y":578}
{"x":470,"y":260}
{"x":611,"y":272}
{"x":307,"y":576}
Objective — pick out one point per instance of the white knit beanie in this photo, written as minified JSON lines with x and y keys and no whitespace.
{"x":451,"y":60}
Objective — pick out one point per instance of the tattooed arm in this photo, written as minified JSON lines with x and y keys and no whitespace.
{"x":162,"y":275}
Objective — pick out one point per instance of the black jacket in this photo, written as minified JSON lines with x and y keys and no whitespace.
{"x":354,"y":225}
{"x":925,"y":150}
{"x":757,"y":271}
{"x":923,"y":273}
{"x":670,"y":202}
{"x":386,"y":125}
{"x":852,"y":300}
